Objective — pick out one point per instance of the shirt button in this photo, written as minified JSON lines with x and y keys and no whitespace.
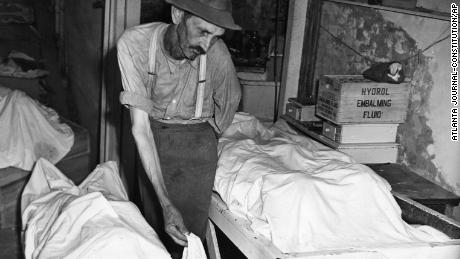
{"x":174,"y":101}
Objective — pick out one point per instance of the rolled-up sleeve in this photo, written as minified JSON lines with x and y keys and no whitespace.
{"x":227,"y":93}
{"x":135,"y":93}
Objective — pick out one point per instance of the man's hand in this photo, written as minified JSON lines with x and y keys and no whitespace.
{"x":145,"y":142}
{"x":174,"y":225}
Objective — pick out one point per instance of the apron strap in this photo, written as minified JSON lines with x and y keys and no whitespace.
{"x":152,"y":75}
{"x":200,"y":87}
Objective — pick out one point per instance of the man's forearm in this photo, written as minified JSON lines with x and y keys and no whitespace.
{"x":145,"y":143}
{"x":174,"y":224}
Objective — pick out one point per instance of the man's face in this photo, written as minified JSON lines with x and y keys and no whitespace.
{"x":196,"y":36}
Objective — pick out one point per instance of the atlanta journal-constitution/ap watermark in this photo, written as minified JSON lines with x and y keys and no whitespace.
{"x":454,"y":73}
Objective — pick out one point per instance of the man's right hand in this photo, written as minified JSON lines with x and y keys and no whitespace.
{"x":174,"y":225}
{"x":145,"y":142}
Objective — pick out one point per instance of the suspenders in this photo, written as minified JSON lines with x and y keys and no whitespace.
{"x":200,"y":87}
{"x":152,"y":76}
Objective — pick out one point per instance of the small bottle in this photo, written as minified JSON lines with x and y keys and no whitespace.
{"x":253,"y":47}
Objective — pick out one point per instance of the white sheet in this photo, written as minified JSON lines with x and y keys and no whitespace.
{"x":93,"y":220}
{"x":29,"y":131}
{"x":194,"y":248}
{"x":304,"y":196}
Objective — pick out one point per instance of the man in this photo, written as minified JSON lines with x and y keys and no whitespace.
{"x":181,"y":87}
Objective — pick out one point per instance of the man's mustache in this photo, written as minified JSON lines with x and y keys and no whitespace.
{"x":198,"y":49}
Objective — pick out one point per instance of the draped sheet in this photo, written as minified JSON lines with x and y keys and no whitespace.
{"x":29,"y":131}
{"x":92,"y":220}
{"x":303,"y":196}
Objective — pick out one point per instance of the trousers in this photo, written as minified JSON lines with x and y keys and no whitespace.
{"x":188,"y":159}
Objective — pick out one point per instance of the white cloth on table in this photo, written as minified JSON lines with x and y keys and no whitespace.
{"x":29,"y":131}
{"x":304,"y":196}
{"x":93,"y":220}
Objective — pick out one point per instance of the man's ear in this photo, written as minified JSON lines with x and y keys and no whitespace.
{"x":176,"y":15}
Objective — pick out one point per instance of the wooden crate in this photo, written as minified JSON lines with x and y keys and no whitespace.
{"x":353,"y":99}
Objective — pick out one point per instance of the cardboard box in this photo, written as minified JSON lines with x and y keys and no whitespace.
{"x":301,"y":112}
{"x":371,"y":153}
{"x":360,"y":133}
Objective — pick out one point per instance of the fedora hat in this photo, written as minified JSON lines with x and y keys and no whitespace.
{"x":218,"y":12}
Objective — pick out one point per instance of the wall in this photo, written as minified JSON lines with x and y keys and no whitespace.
{"x":257,"y":98}
{"x":83,"y":46}
{"x":155,"y":10}
{"x":384,"y":36}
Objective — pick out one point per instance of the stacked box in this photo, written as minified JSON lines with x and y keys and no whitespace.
{"x":362,"y":116}
{"x":301,"y":112}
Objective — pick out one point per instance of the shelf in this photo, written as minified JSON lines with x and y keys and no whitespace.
{"x":417,"y":12}
{"x":401,"y":178}
{"x":310,"y":131}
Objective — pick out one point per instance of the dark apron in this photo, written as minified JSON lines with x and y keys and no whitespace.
{"x":188,"y":160}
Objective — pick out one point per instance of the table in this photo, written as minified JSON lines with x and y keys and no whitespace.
{"x":406,"y":182}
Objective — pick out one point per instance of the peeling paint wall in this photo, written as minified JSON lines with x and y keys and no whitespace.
{"x":432,"y":154}
{"x":384,"y":36}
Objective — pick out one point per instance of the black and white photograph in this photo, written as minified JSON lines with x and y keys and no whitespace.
{"x":229,"y":129}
